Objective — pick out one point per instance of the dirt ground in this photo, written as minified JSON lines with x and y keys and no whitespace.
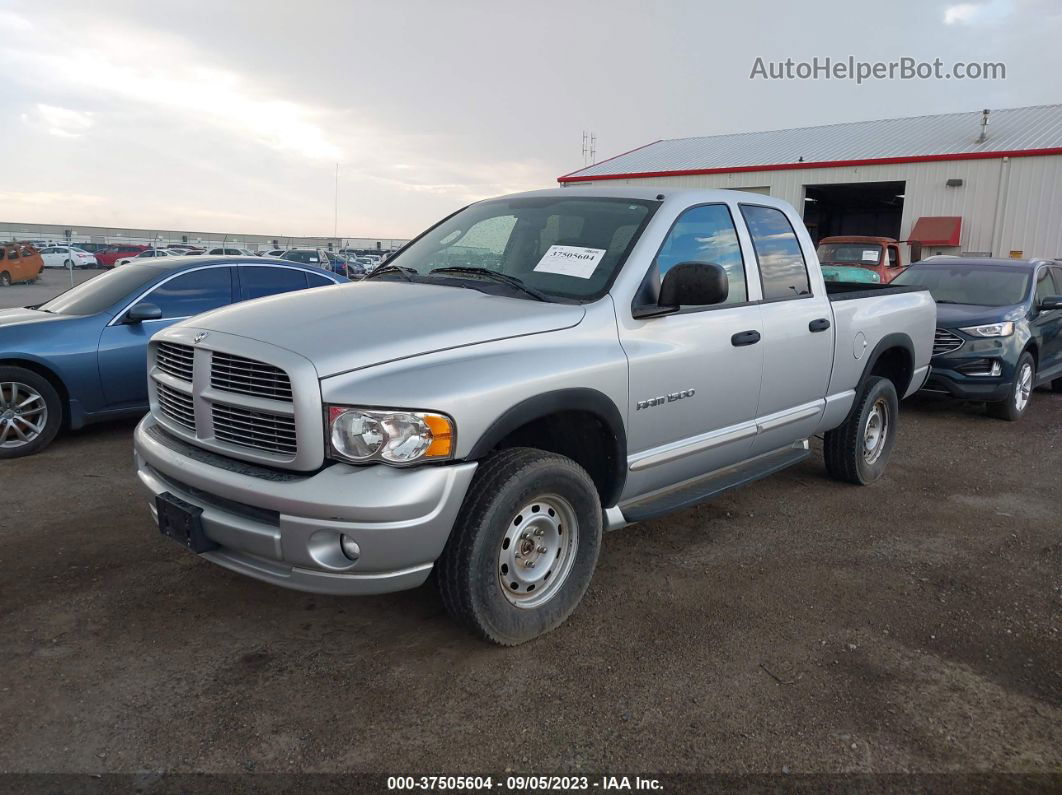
{"x":796,"y":625}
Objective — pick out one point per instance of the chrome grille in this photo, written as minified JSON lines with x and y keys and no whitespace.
{"x":256,"y":429}
{"x":248,"y":377}
{"x":176,"y":405}
{"x":946,"y":342}
{"x":174,"y":359}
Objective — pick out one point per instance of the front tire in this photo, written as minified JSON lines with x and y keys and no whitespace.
{"x":5,"y":279}
{"x":524,"y":548}
{"x":858,"y":450}
{"x":30,"y":412}
{"x":1013,"y":408}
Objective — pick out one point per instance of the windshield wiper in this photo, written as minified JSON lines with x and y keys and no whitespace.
{"x":504,"y":278}
{"x":405,"y":273}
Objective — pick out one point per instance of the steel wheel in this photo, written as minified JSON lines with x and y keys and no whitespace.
{"x":537,"y":551}
{"x":23,"y":414}
{"x":1023,"y":387}
{"x":876,"y":431}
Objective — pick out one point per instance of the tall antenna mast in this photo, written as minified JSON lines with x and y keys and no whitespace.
{"x":589,"y":148}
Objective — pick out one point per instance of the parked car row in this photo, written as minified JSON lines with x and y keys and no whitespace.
{"x":80,"y":358}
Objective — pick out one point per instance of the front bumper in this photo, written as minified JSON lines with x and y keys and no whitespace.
{"x":284,"y":527}
{"x":947,"y":376}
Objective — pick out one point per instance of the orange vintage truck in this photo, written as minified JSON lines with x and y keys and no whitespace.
{"x":880,"y":255}
{"x":19,"y":262}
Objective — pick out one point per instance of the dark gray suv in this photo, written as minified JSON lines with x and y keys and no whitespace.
{"x":999,"y":329}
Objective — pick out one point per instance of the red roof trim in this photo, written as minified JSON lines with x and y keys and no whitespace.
{"x":873,"y":161}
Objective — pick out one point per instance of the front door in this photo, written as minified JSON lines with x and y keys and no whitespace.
{"x":694,"y":375}
{"x":123,"y":346}
{"x":1047,"y":323}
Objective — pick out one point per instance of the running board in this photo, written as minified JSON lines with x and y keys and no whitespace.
{"x":693,"y":492}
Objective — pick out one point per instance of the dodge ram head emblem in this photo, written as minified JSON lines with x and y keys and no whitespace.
{"x":199,"y":336}
{"x":669,"y":398}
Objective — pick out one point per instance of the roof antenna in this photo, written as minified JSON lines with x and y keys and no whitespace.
{"x":984,"y":127}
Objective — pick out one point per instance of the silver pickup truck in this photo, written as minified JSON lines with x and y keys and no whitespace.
{"x":529,"y":372}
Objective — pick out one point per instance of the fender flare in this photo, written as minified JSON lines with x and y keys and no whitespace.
{"x":584,"y":399}
{"x":897,"y":339}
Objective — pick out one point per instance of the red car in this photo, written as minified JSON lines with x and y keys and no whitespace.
{"x":878,"y":254}
{"x":108,"y":256}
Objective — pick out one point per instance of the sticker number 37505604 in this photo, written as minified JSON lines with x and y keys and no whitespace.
{"x":570,"y":261}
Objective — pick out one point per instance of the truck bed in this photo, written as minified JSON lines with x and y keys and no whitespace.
{"x":846,"y":291}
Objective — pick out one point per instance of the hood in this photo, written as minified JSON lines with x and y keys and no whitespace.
{"x":960,"y":315}
{"x":22,"y":317}
{"x":357,"y":325}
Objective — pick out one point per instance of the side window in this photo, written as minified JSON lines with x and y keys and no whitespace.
{"x":1057,"y":273}
{"x":894,"y":258}
{"x":256,"y":282}
{"x":192,"y":293}
{"x":782,"y":268}
{"x":1045,"y":285}
{"x":317,"y":280}
{"x":706,"y":234}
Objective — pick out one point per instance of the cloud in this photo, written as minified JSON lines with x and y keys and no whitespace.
{"x":60,"y":122}
{"x":978,"y":13}
{"x":152,"y":73}
{"x":10,"y":22}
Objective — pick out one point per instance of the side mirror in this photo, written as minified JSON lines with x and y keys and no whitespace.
{"x":694,"y":284}
{"x":141,"y":312}
{"x":1051,"y":302}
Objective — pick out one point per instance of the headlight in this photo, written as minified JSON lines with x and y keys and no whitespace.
{"x":394,"y":437}
{"x":990,"y":330}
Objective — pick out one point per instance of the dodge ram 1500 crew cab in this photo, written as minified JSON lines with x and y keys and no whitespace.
{"x":528,"y":372}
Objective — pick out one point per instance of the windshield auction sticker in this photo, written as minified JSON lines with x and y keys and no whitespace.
{"x":570,"y":261}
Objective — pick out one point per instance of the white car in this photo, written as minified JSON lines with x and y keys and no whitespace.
{"x":67,"y":257}
{"x":146,"y":254}
{"x":273,"y":252}
{"x":230,"y":250}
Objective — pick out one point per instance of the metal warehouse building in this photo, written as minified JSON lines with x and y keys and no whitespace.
{"x":981,"y":183}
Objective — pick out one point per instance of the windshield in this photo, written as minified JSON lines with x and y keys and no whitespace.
{"x":565,"y":248}
{"x":850,"y":253}
{"x":100,"y":292}
{"x":969,"y":284}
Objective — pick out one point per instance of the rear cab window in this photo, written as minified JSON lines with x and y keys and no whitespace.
{"x":783,"y":271}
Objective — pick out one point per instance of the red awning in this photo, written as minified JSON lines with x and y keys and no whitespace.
{"x":937,"y":230}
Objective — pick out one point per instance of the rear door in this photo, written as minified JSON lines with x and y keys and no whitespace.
{"x":694,"y":374}
{"x":123,"y":346}
{"x":258,"y":281}
{"x":797,"y":334}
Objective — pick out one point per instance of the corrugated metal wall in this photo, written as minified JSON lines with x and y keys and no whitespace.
{"x":1006,"y":205}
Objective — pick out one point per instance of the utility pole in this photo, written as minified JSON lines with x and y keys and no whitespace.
{"x":335,"y":221}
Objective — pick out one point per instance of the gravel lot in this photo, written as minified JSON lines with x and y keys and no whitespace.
{"x":798,"y":624}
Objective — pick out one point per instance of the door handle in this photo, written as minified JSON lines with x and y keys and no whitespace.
{"x":819,"y":325}
{"x":745,"y":338}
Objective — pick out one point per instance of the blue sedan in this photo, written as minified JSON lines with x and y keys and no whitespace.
{"x":82,"y":357}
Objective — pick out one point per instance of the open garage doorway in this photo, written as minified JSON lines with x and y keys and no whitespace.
{"x":854,"y":208}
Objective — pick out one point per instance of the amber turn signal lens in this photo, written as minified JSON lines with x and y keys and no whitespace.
{"x":442,"y":436}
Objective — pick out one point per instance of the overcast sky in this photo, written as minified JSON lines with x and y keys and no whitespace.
{"x":231,"y":117}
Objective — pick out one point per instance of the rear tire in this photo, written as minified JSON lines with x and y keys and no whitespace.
{"x":524,"y":547}
{"x":1056,"y":385}
{"x":858,"y":450}
{"x":30,"y":412}
{"x":1013,"y":408}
